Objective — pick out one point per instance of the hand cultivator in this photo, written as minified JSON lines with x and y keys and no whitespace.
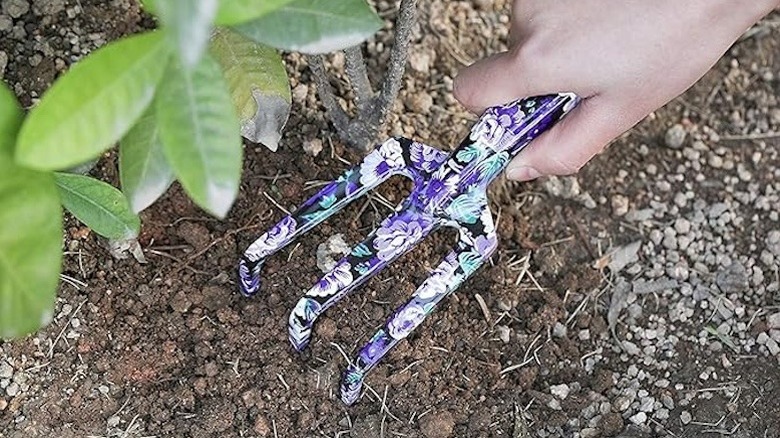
{"x":449,"y":190}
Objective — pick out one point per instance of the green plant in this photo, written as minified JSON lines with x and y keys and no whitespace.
{"x":177,"y":100}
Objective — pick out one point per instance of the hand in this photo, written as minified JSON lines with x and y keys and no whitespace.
{"x":625,"y":59}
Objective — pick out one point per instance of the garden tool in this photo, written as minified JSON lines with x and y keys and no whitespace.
{"x":450,"y":190}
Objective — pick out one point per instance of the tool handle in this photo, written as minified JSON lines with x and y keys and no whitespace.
{"x":511,"y":127}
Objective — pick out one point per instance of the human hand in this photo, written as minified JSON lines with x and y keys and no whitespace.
{"x":624,"y":58}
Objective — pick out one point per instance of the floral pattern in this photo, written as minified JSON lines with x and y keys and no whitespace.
{"x":398,"y":234}
{"x":332,"y":282}
{"x":449,"y":190}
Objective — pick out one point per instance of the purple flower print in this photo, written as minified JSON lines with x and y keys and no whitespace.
{"x":509,"y":116}
{"x":485,"y":244}
{"x":423,"y":157}
{"x":434,"y":286}
{"x":376,"y":164}
{"x":398,"y":235}
{"x":274,"y":239}
{"x":335,"y":280}
{"x":488,"y":131}
{"x":406,"y":320}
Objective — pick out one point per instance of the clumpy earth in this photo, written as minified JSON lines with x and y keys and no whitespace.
{"x":640,"y":298}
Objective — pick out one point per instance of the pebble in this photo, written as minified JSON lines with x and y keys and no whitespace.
{"x":16,"y":8}
{"x":619,"y":205}
{"x":685,"y":417}
{"x":560,"y":391}
{"x":675,"y":136}
{"x":313,"y":147}
{"x":6,"y":371}
{"x":3,"y":404}
{"x":503,"y":333}
{"x":773,"y":322}
{"x":559,"y":330}
{"x":113,"y":421}
{"x":638,"y":418}
{"x":334,"y":246}
{"x":733,"y":280}
{"x":774,"y":348}
{"x":589,"y":432}
{"x":12,"y":389}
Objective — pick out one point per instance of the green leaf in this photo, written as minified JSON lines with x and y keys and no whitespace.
{"x":188,"y":24}
{"x":98,"y":205}
{"x":10,"y":120}
{"x":231,"y":12}
{"x":143,"y":169}
{"x":315,"y":26}
{"x":258,"y":84}
{"x":30,"y":235}
{"x":93,"y":105}
{"x":200,"y":134}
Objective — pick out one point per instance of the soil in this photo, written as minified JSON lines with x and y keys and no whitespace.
{"x":171,"y":349}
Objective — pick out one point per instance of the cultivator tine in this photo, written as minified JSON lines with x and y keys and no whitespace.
{"x":393,"y":157}
{"x":472,"y":251}
{"x":397,"y":235}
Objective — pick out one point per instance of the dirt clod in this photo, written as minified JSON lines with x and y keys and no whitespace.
{"x":437,"y":425}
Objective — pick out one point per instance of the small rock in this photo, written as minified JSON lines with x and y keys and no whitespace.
{"x":16,"y":8}
{"x":733,"y":280}
{"x":6,"y":371}
{"x":313,"y":147}
{"x":437,"y":425}
{"x":589,"y":432}
{"x":261,"y":426}
{"x":638,"y":418}
{"x":3,"y":404}
{"x":675,"y":137}
{"x":12,"y":390}
{"x":113,"y":421}
{"x":559,"y":330}
{"x":762,"y":338}
{"x":561,"y":391}
{"x":619,"y":205}
{"x":773,"y":322}
{"x":685,"y":417}
{"x":774,"y":348}
{"x":419,"y":103}
{"x":503,"y":333}
{"x":419,"y":61}
{"x":334,"y":246}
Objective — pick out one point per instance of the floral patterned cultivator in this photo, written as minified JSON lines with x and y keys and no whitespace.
{"x":449,"y":190}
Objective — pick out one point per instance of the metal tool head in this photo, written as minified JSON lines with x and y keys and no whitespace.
{"x":449,"y":190}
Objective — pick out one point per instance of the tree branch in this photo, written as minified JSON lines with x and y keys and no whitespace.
{"x":335,"y":112}
{"x":392,"y":82}
{"x":358,"y":77}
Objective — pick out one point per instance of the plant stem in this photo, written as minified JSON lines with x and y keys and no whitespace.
{"x":335,"y":112}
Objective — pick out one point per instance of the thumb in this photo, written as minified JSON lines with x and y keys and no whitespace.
{"x":565,"y":148}
{"x":499,"y":79}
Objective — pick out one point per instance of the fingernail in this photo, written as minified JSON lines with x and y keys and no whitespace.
{"x":522,"y":173}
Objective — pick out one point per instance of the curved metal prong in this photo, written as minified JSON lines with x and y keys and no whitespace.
{"x":476,"y":244}
{"x":396,"y":156}
{"x":397,"y":235}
